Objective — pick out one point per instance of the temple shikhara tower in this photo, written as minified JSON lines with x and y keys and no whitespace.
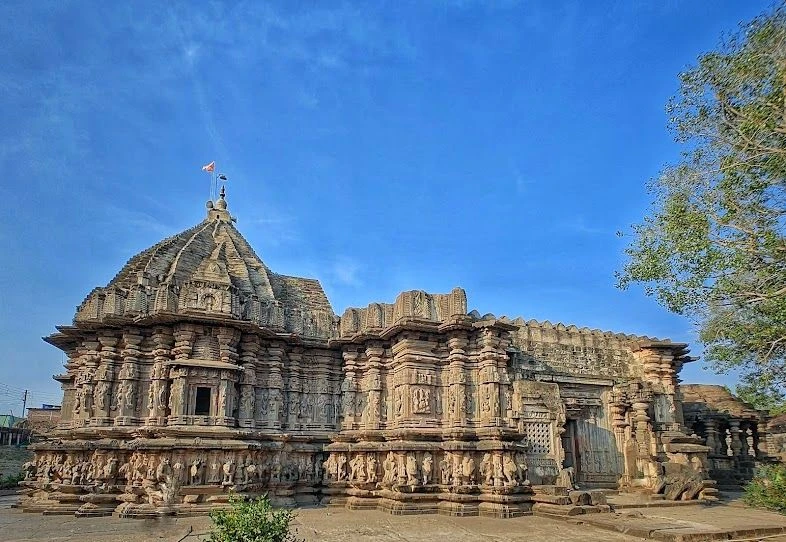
{"x":197,"y":371}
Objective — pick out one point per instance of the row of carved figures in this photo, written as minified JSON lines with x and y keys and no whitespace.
{"x":497,"y":468}
{"x":260,"y":404}
{"x":140,"y":468}
{"x":280,"y":405}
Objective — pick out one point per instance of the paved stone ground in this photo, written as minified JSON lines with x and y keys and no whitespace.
{"x":724,"y":521}
{"x":318,"y":524}
{"x":334,"y":525}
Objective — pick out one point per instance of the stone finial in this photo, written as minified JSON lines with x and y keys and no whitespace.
{"x":222,"y":203}
{"x":218,"y":210}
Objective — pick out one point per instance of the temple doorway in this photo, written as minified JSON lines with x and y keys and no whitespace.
{"x":571,"y":448}
{"x":591,"y":449}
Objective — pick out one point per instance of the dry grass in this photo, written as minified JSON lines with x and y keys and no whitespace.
{"x":11,"y":460}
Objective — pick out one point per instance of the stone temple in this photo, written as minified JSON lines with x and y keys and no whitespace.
{"x":197,"y":372}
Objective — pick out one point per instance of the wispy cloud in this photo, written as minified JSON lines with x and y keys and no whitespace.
{"x":346,"y":271}
{"x":115,"y":218}
{"x":273,"y":229}
{"x":329,"y":38}
{"x":578,"y":224}
{"x":521,"y":183}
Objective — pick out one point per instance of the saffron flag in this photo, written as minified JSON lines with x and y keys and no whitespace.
{"x":210,"y":168}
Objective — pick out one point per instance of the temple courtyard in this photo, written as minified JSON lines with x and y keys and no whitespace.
{"x":728,"y":520}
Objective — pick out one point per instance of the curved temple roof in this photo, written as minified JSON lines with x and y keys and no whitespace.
{"x":210,"y":270}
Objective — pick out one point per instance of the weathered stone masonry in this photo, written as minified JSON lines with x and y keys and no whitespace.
{"x":198,"y":371}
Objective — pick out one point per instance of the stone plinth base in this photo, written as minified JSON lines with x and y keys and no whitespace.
{"x":434,"y":500}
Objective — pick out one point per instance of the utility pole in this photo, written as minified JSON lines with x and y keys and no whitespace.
{"x":24,"y":403}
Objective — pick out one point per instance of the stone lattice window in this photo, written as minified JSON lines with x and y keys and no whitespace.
{"x":539,"y":438}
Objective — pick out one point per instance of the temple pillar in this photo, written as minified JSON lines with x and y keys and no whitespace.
{"x":83,"y":383}
{"x":178,"y":377}
{"x":249,"y":348}
{"x":246,"y":406}
{"x":105,"y":375}
{"x":228,"y":339}
{"x":159,"y":377}
{"x":761,"y":439}
{"x":640,"y":420}
{"x":128,"y":386}
{"x":177,"y":396}
{"x":736,"y":442}
{"x":372,"y":413}
{"x":661,"y":364}
{"x":745,"y":446}
{"x":349,"y":390}
{"x":226,"y":399}
{"x":644,"y":439}
{"x":712,"y":435}
{"x":619,"y":423}
{"x":294,"y":388}
{"x":457,"y":383}
{"x":489,"y":379}
{"x":184,"y":342}
{"x":275,"y":383}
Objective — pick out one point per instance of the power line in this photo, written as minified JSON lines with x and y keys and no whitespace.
{"x":5,"y":388}
{"x":9,"y":386}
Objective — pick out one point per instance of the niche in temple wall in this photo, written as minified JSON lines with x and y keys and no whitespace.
{"x":210,"y":298}
{"x":540,"y":414}
{"x":664,"y":409}
{"x":202,"y":395}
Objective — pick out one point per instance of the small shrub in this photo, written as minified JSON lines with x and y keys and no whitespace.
{"x":768,"y":488}
{"x":252,"y":520}
{"x":11,"y":481}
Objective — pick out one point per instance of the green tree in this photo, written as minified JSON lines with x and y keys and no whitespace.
{"x":768,"y":488}
{"x":712,"y":246}
{"x":252,"y":520}
{"x":760,"y":398}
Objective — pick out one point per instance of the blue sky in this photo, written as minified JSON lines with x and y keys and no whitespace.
{"x":379,"y":147}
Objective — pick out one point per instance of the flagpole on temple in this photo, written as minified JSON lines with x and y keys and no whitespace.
{"x":211,"y":169}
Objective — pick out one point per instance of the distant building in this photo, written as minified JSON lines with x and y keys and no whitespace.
{"x":12,"y":431}
{"x":8,"y":421}
{"x":43,"y":419}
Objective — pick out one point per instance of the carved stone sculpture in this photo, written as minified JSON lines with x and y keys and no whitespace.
{"x":412,"y":469}
{"x":445,"y":467}
{"x":389,"y":469}
{"x":196,"y":472}
{"x":228,"y":470}
{"x":487,"y":469}
{"x":425,"y":468}
{"x":371,"y":468}
{"x":468,"y":469}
